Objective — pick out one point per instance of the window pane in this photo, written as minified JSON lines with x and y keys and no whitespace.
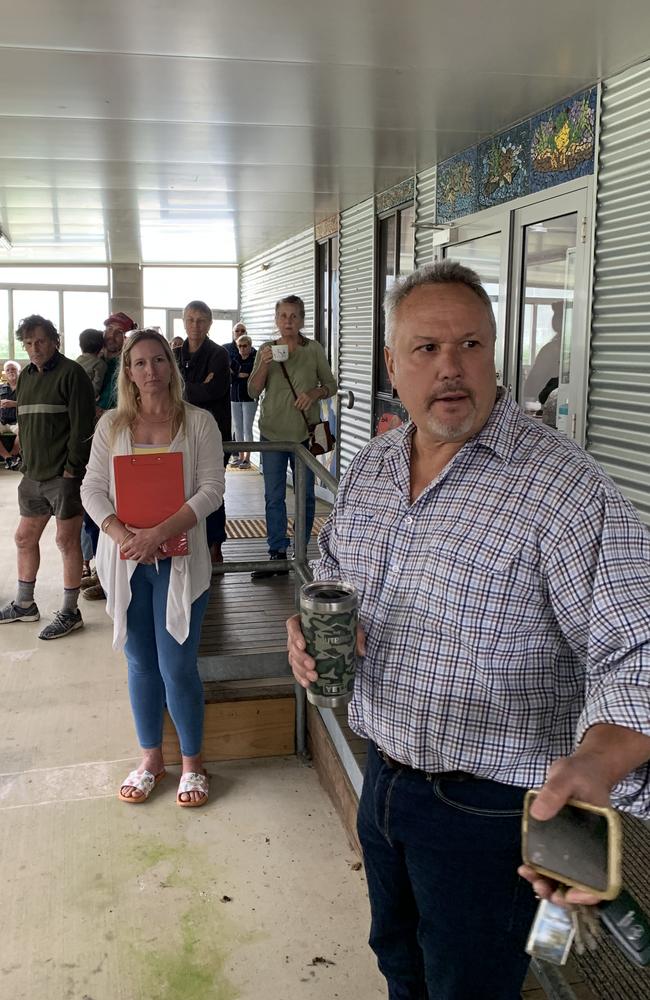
{"x":221,"y":331}
{"x":157,"y":318}
{"x":334,"y":282}
{"x":482,"y":255}
{"x":387,"y":229}
{"x":82,"y":310}
{"x":28,"y":302}
{"x":322,"y":330}
{"x":406,"y":241}
{"x":4,"y":325}
{"x":174,"y":287}
{"x":388,"y":251}
{"x":53,"y":276}
{"x":549,"y":279}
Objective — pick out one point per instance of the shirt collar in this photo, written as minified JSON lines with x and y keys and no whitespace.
{"x":49,"y":365}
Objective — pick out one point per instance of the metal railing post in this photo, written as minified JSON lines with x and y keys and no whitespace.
{"x":300,"y":515}
{"x":303,"y":459}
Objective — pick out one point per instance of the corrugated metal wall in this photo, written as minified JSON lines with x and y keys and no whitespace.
{"x":357,"y":282}
{"x":425,"y":211}
{"x":618,"y":417}
{"x":285,"y":269}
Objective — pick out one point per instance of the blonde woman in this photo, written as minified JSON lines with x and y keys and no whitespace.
{"x":157,"y":603}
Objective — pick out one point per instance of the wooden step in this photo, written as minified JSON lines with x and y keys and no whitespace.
{"x":240,"y":729}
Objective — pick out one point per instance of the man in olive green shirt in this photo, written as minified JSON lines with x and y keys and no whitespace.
{"x":284,"y":417}
{"x":56,"y":405}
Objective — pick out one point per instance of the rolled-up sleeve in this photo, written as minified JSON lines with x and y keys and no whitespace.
{"x":599,"y":583}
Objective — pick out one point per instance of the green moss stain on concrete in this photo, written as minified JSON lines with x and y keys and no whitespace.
{"x":192,"y":968}
{"x":154,"y":900}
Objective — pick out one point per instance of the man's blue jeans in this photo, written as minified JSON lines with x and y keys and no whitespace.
{"x":450,"y":915}
{"x":275,"y":493}
{"x":161,"y":670}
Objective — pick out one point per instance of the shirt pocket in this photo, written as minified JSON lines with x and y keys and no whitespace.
{"x":482,"y":586}
{"x":361,"y":535}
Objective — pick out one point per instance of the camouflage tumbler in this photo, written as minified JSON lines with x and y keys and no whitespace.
{"x":328,"y":615}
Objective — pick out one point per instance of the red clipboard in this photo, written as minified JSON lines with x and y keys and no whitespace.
{"x":148,"y":490}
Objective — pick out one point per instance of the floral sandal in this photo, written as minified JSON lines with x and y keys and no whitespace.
{"x":193,"y":781}
{"x":143,"y":782}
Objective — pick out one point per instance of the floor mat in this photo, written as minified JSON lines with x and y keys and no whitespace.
{"x":255,"y":527}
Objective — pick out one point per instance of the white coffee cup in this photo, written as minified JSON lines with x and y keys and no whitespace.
{"x":280,"y":352}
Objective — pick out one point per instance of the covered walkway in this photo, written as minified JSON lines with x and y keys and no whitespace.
{"x":256,"y":895}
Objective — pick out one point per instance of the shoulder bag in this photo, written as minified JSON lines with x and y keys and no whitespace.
{"x":321,"y":440}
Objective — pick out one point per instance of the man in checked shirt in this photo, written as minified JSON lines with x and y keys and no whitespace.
{"x":504,"y":587}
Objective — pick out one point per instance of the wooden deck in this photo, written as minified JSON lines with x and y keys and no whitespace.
{"x":244,"y":616}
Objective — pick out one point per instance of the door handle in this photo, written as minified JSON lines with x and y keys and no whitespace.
{"x":348,"y":395}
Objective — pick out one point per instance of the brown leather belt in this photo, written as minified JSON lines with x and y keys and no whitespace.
{"x":397,"y":765}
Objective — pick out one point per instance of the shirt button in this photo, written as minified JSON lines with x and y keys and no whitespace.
{"x":409,"y":520}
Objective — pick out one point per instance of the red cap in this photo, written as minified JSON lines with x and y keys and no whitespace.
{"x":120,"y":319}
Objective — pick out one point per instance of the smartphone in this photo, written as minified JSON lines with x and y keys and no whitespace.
{"x":580,"y":846}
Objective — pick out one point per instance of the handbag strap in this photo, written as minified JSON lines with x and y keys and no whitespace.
{"x":286,"y":375}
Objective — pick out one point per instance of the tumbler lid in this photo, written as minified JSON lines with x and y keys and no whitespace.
{"x":328,"y":596}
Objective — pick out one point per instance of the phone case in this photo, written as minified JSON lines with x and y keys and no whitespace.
{"x":544,"y":846}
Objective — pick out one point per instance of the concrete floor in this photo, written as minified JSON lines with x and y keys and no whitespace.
{"x":254,"y":896}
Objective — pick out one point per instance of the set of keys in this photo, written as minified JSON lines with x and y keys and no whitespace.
{"x":556,"y":929}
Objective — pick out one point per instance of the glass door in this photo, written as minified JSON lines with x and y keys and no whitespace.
{"x":549,"y":363}
{"x":487,"y":255}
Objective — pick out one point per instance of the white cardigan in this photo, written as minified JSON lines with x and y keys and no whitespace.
{"x":203,"y":473}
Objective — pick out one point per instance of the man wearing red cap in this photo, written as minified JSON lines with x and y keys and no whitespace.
{"x":116,"y":326}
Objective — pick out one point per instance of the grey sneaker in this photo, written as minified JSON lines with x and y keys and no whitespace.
{"x":62,"y":623}
{"x":16,"y":613}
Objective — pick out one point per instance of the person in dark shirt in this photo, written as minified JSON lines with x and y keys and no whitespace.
{"x":8,"y":416}
{"x":242,"y":406}
{"x":238,"y":330}
{"x":205,"y":367}
{"x":56,"y":409}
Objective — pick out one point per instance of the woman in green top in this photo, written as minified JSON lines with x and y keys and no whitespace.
{"x":282,"y":418}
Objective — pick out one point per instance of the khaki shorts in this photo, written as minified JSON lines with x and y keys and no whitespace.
{"x":58,"y":497}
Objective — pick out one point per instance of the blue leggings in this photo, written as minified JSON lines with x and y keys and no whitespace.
{"x":161,"y":670}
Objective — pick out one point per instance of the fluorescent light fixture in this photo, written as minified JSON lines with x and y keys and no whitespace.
{"x":5,"y":242}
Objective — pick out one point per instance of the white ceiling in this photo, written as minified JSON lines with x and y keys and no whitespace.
{"x":205,"y":131}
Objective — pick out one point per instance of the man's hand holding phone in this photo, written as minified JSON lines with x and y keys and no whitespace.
{"x":579,"y":777}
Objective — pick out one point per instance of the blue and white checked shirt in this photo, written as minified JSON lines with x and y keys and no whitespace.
{"x":506,"y":611}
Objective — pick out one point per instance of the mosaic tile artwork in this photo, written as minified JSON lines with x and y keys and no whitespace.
{"x":399,"y":194}
{"x":562,"y":141}
{"x":457,"y":184}
{"x":554,"y":146}
{"x":503,"y":165}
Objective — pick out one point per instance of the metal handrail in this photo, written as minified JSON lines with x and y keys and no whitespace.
{"x":299,"y":565}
